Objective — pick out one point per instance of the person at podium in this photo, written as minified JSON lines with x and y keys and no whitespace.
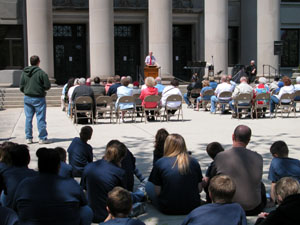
{"x":150,"y":60}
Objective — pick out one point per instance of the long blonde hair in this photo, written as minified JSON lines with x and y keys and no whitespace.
{"x":175,"y":146}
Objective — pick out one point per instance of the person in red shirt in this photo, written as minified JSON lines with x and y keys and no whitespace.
{"x":150,"y":90}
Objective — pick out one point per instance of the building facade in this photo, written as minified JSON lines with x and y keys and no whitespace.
{"x":88,"y":38}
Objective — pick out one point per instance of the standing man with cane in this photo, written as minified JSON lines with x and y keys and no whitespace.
{"x":34,"y":84}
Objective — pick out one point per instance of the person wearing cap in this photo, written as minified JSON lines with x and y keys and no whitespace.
{"x":136,"y":88}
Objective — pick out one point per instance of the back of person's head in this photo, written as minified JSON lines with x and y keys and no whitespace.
{"x":280,"y":84}
{"x":4,"y":152}
{"x":110,"y":80}
{"x":279,"y":149}
{"x":211,"y":79}
{"x":150,"y":82}
{"x":97,"y":80}
{"x":119,"y":202}
{"x":242,"y":133}
{"x":86,"y":133}
{"x":76,"y":81}
{"x":62,"y":153}
{"x":20,"y":156}
{"x":298,"y":80}
{"x":276,"y":78}
{"x":221,"y":189}
{"x":136,"y":84}
{"x":115,"y":152}
{"x":243,"y":79}
{"x":175,"y":147}
{"x":285,"y":187}
{"x":158,"y":80}
{"x":48,"y":160}
{"x":81,"y":81}
{"x":287,"y":81}
{"x":129,"y":78}
{"x":205,"y":83}
{"x":125,"y":81}
{"x":117,"y":78}
{"x":213,"y":149}
{"x":34,"y":60}
{"x":223,"y":78}
{"x":70,"y":82}
{"x":174,"y":83}
{"x":262,"y":80}
{"x":160,"y":139}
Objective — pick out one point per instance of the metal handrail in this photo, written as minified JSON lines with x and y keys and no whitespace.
{"x":269,"y":69}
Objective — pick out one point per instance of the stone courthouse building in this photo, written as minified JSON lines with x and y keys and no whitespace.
{"x":88,"y":38}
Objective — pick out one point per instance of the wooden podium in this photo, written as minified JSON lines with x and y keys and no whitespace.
{"x":151,"y":71}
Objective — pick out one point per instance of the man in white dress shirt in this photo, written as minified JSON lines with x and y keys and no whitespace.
{"x":150,"y":60}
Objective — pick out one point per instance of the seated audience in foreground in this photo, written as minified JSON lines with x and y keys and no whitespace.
{"x":212,"y":150}
{"x":12,"y":176}
{"x":287,"y":191}
{"x":101,"y":176}
{"x":50,"y":199}
{"x":119,"y":204}
{"x":281,"y":165}
{"x":65,"y":169}
{"x":222,"y":210}
{"x":245,"y":168}
{"x":160,"y":139}
{"x":175,"y":180}
{"x":8,"y":216}
{"x":80,"y":152}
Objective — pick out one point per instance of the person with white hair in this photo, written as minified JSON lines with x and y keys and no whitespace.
{"x":71,"y":89}
{"x":262,"y":87}
{"x":82,"y":90}
{"x":158,"y":85}
{"x":242,"y":88}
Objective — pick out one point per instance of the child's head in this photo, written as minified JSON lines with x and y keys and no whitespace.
{"x":115,"y":152}
{"x":279,"y":149}
{"x":19,"y":156}
{"x":4,"y":151}
{"x":213,"y":149}
{"x":119,"y":202}
{"x":62,"y":153}
{"x":86,"y":133}
{"x":221,"y":189}
{"x":285,"y":187}
{"x":48,"y":160}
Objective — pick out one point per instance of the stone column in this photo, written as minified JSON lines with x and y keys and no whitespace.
{"x":101,"y":21}
{"x":268,"y":31}
{"x":160,"y":35}
{"x":40,"y":33}
{"x":216,"y":33}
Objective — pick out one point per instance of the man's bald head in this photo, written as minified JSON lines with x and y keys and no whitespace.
{"x":242,"y":133}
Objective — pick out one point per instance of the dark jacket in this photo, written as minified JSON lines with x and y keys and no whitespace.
{"x":287,"y":213}
{"x":34,"y":82}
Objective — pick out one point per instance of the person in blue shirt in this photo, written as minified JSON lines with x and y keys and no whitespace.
{"x":11,"y":176}
{"x":175,"y":180}
{"x":119,"y":204}
{"x":113,"y":88}
{"x":158,"y":85}
{"x":222,"y":210}
{"x":102,"y":176}
{"x":50,"y":199}
{"x":212,"y":83}
{"x":80,"y":152}
{"x":65,"y":169}
{"x":281,"y":165}
{"x":206,"y":87}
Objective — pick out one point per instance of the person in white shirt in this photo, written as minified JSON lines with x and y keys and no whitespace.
{"x":171,"y":90}
{"x":150,"y":60}
{"x":287,"y":88}
{"x":242,"y":88}
{"x":297,"y":88}
{"x":223,"y":86}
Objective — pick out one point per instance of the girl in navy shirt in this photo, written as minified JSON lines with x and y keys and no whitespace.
{"x":175,"y":180}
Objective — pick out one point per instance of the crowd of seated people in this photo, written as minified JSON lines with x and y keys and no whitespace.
{"x":276,"y":89}
{"x":105,"y":193}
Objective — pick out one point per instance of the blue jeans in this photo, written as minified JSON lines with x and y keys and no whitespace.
{"x":186,"y":99}
{"x":231,"y":105}
{"x":274,"y":101}
{"x":151,"y":193}
{"x":35,"y":105}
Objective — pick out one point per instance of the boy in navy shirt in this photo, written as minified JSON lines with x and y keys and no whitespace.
{"x":119,"y":205}
{"x":212,"y":150}
{"x":65,"y":169}
{"x":222,"y":210}
{"x":282,"y":165}
{"x":80,"y":152}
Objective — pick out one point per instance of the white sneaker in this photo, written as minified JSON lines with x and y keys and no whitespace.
{"x":29,"y":141}
{"x":45,"y":141}
{"x":271,"y":115}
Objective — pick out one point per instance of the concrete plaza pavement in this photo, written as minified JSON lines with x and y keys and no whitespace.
{"x":198,"y":129}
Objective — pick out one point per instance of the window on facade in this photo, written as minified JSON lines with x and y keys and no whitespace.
{"x":12,"y":47}
{"x":233,"y":46}
{"x":290,"y":55}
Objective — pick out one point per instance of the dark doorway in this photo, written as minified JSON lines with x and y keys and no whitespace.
{"x":182,"y":51}
{"x":69,"y":51}
{"x":127,"y":50}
